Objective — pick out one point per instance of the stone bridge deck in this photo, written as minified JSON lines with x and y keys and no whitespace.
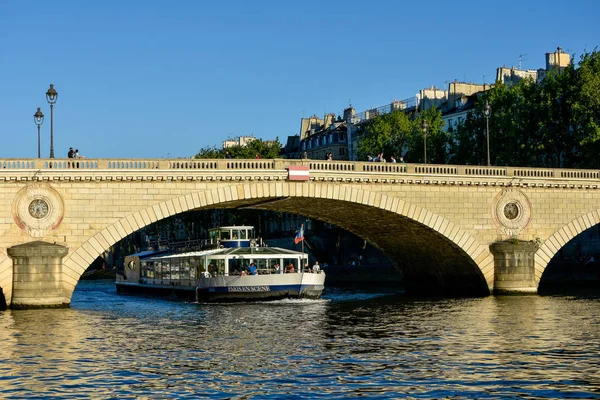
{"x":445,"y":226}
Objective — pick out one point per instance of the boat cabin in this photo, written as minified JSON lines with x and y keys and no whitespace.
{"x":183,"y":269}
{"x":232,"y":236}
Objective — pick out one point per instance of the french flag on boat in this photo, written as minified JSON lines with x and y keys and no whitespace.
{"x":298,"y":173}
{"x":300,"y":235}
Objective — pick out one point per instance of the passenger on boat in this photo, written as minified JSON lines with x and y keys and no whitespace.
{"x":243,"y":273}
{"x":252,"y":269}
{"x":316,"y":268}
{"x":277,"y":269}
{"x":235,"y":272}
{"x":306,"y":268}
{"x":289,"y":269}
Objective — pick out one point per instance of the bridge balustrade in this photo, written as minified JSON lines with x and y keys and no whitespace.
{"x":195,"y":164}
{"x":436,"y":169}
{"x":331,"y":166}
{"x":137,"y":164}
{"x":486,"y":171}
{"x":17,"y":164}
{"x":533,"y":173}
{"x":580,"y":174}
{"x":251,"y":164}
{"x":281,"y":164}
{"x":383,"y":167}
{"x":77,"y":164}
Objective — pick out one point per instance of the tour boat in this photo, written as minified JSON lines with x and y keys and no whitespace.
{"x":239,"y":268}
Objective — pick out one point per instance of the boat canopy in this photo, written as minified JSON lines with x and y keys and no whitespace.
{"x":225,"y":261}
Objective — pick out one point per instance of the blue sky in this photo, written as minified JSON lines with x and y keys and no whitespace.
{"x":166,"y":78}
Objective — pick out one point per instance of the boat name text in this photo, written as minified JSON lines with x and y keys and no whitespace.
{"x":249,"y":289}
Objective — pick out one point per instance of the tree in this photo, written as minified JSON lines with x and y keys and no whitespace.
{"x":210,"y":152}
{"x":586,"y":108}
{"x":555,"y":123}
{"x":437,"y":139}
{"x":269,"y":149}
{"x":396,"y":134}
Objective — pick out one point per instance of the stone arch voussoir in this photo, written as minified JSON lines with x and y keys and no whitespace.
{"x":6,"y":276}
{"x":78,"y":261}
{"x":562,"y":236}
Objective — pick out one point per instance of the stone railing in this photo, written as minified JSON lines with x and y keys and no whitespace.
{"x":279,"y":165}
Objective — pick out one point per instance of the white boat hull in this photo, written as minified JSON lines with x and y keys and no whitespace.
{"x":261,"y":287}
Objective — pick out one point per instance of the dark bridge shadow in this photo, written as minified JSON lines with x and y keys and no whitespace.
{"x":430,"y":263}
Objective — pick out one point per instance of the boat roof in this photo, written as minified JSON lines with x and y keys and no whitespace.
{"x":234,"y":252}
{"x":250,"y":251}
{"x":233,"y":227}
{"x":147,"y":253}
{"x":188,"y":254}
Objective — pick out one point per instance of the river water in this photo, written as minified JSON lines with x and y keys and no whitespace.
{"x":346,"y":345}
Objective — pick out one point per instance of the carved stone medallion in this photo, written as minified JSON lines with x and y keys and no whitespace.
{"x":512,"y":211}
{"x":38,"y":208}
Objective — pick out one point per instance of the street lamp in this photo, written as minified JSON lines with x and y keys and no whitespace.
{"x":487,"y":112}
{"x":51,"y":97}
{"x":38,"y":118}
{"x":424,"y":127}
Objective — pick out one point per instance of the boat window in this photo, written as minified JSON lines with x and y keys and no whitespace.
{"x":194,"y":265}
{"x":184,"y":269}
{"x":235,"y":234}
{"x":215,"y":266}
{"x":243,"y":234}
{"x":163,"y":270}
{"x":263,"y":266}
{"x":226,"y":234}
{"x":151,"y":270}
{"x":213,"y":234}
{"x":146,"y":269}
{"x":287,"y":262}
{"x":174,"y":270}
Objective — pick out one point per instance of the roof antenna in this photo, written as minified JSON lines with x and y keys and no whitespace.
{"x":521,"y":59}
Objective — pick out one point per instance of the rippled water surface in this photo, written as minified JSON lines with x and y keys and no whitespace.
{"x":345,"y":345}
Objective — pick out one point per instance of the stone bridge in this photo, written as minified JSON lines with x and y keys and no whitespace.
{"x":448,"y":228}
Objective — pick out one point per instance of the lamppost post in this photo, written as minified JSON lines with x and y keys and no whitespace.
{"x":424,"y":127}
{"x":487,"y":112}
{"x":51,"y":97}
{"x":38,"y":118}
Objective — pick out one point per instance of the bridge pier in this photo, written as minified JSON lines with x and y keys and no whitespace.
{"x":37,"y":275}
{"x":514,"y":267}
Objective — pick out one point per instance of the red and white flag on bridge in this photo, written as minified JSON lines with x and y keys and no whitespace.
{"x":298,"y":173}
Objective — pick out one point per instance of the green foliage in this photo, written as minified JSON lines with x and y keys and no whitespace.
{"x":397,"y":134}
{"x":437,"y":139}
{"x":210,"y":152}
{"x":270,"y":149}
{"x":552,"y":124}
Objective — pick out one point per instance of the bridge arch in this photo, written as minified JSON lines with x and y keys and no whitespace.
{"x":312,"y":200}
{"x":5,"y":279}
{"x":560,"y":238}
